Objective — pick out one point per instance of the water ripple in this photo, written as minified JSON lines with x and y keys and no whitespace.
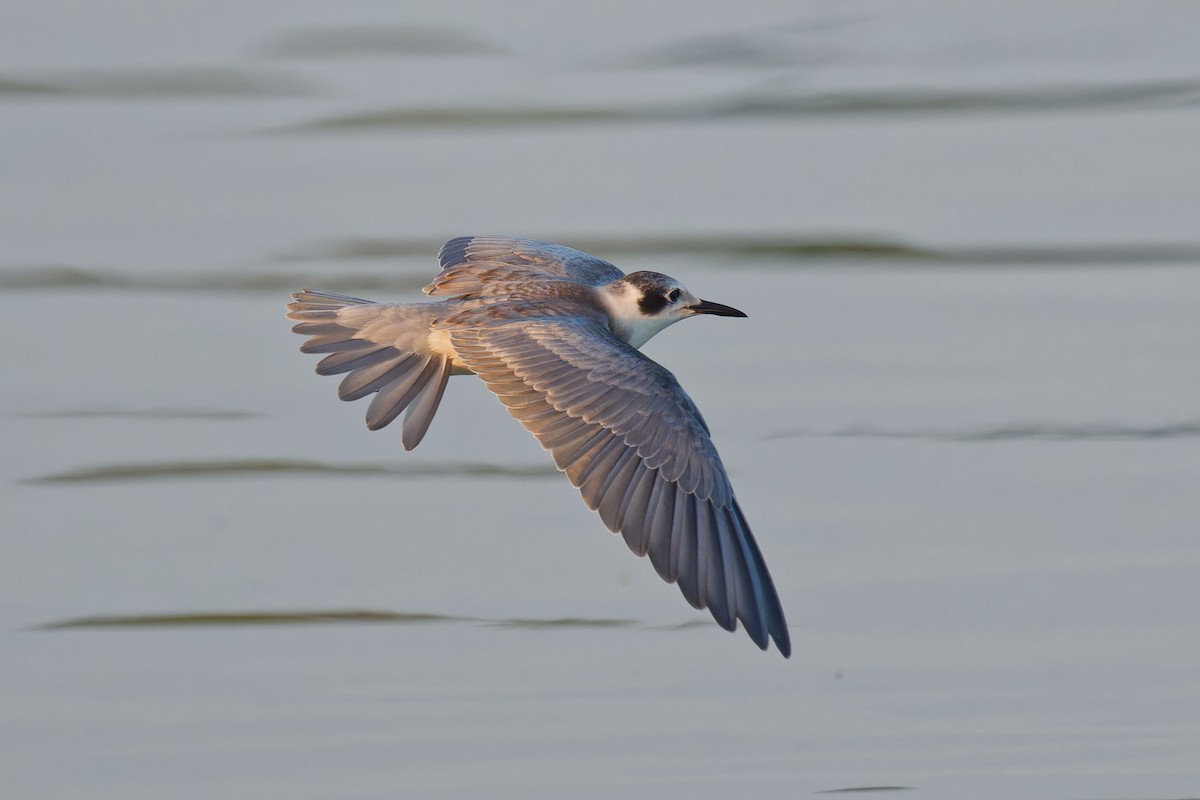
{"x":141,"y":413}
{"x":785,"y":251}
{"x":231,"y":619}
{"x":168,"y":82}
{"x":1059,"y":432}
{"x":186,"y":470}
{"x":892,"y":101}
{"x":240,"y":618}
{"x":785,"y":247}
{"x":855,"y":789}
{"x":61,"y":277}
{"x":374,"y":41}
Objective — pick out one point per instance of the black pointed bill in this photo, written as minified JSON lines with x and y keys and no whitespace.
{"x":706,"y":307}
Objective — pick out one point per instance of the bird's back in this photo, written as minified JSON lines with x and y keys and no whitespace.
{"x":509,"y":268}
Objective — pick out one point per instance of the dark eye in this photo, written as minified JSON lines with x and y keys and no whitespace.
{"x":673,"y":295}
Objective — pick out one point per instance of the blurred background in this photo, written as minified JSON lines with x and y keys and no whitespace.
{"x":962,"y":416}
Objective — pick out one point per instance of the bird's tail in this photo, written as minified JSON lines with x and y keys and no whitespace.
{"x":367,"y":340}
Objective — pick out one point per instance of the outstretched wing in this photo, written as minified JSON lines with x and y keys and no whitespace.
{"x":504,"y":267}
{"x":384,"y":352}
{"x":634,"y":444}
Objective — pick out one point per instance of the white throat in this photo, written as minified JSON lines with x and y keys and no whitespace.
{"x":627,"y":319}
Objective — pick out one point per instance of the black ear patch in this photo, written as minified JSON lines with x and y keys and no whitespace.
{"x":650,"y":303}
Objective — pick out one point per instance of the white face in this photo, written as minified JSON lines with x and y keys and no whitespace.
{"x":638,"y":314}
{"x":672,"y":301}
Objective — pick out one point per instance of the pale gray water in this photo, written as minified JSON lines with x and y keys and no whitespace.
{"x":962,"y":416}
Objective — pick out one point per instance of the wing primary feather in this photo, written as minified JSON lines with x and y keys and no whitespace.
{"x":615,"y":486}
{"x":574,"y":462}
{"x":764,"y":587}
{"x":322,"y":328}
{"x":683,"y":544}
{"x":640,"y":515}
{"x":557,"y":428}
{"x":420,"y":413}
{"x":731,"y":556}
{"x":712,"y":571}
{"x":350,"y":359}
{"x":633,"y":509}
{"x":533,"y":412}
{"x":394,"y":398}
{"x":661,"y":510}
{"x":750,"y":600}
{"x":362,"y":382}
{"x":316,"y":296}
{"x":594,"y":476}
{"x":343,"y":341}
{"x":312,"y":310}
{"x":569,"y":449}
{"x":565,"y":435}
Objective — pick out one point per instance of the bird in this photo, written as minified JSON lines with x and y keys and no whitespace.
{"x":555,"y":334}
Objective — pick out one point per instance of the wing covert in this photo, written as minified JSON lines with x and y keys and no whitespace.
{"x":500,"y":266}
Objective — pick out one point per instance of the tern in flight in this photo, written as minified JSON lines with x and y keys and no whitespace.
{"x":554,"y":333}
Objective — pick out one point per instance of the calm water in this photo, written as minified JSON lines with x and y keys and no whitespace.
{"x":962,"y":416}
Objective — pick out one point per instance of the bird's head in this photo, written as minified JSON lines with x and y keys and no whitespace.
{"x":643,"y":303}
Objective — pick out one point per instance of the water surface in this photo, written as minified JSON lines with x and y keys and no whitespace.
{"x":962,"y":416}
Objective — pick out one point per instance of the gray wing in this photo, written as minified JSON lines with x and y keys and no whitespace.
{"x":503,"y":266}
{"x":634,"y":444}
{"x":382,"y":348}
